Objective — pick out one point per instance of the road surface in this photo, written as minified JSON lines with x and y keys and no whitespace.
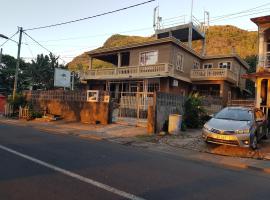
{"x":39,"y":165}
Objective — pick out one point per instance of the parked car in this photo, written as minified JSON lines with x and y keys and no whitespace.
{"x":237,"y":126}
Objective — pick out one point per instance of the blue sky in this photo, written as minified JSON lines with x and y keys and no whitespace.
{"x":74,"y":39}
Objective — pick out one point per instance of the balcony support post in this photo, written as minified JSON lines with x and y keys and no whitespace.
{"x":119,"y":56}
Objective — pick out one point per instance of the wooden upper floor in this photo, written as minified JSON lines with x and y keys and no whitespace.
{"x":167,"y":57}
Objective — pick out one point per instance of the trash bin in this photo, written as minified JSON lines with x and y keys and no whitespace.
{"x":175,"y":122}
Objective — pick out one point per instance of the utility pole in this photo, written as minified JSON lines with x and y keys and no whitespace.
{"x":17,"y":63}
{"x":190,"y":26}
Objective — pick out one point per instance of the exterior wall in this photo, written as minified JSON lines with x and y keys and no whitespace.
{"x":164,"y":53}
{"x":85,"y":112}
{"x":188,"y":60}
{"x":96,"y":85}
{"x":166,"y":85}
{"x":236,"y":68}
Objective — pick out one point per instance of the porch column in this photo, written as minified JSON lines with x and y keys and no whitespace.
{"x":261,"y":49}
{"x":90,"y":63}
{"x":119,"y":60}
{"x":221,"y":90}
{"x":258,"y":92}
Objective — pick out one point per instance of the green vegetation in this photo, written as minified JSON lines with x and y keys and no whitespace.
{"x":251,"y":60}
{"x":194,"y":114}
{"x":219,"y":40}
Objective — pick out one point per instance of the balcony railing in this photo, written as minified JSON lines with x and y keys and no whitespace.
{"x":127,"y":72}
{"x":213,"y":74}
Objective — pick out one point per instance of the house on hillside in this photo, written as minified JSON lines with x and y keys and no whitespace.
{"x":168,"y":64}
{"x":165,"y":65}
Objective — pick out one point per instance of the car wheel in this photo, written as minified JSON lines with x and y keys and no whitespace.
{"x":254,"y":143}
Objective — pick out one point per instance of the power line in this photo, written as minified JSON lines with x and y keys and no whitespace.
{"x":9,"y":38}
{"x":94,"y":16}
{"x":43,"y":46}
{"x":243,"y":11}
{"x":249,"y":14}
{"x":97,"y":35}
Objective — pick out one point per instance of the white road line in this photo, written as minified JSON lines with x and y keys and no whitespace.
{"x":73,"y":175}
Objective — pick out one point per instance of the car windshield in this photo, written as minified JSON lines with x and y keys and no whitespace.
{"x":234,"y":114}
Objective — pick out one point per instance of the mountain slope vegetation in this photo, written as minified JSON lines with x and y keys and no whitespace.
{"x":219,"y":40}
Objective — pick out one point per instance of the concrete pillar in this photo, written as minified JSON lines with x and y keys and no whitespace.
{"x":258,"y":92}
{"x":190,"y":35}
{"x":90,"y":63}
{"x":221,"y":90}
{"x":261,"y":55}
{"x":204,"y":47}
{"x":119,"y":59}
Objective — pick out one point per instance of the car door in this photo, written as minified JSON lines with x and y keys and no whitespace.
{"x":260,"y":123}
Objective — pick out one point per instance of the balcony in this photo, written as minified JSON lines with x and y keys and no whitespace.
{"x":148,"y":71}
{"x":213,"y":74}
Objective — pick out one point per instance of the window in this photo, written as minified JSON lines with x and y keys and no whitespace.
{"x":149,"y":58}
{"x":208,"y":66}
{"x":179,"y":62}
{"x":196,"y":65}
{"x":225,"y":65}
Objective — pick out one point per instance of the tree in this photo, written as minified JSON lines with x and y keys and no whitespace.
{"x":7,"y":74}
{"x":41,"y":71}
{"x":252,"y":61}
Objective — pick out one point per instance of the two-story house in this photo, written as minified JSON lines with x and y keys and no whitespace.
{"x":166,"y":65}
{"x":262,"y":75}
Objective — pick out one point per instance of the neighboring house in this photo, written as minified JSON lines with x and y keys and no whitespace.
{"x":262,"y":75}
{"x":166,"y":65}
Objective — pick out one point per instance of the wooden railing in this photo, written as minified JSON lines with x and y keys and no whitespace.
{"x":127,"y":72}
{"x":213,"y":74}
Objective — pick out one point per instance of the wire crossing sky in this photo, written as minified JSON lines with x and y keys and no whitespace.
{"x":75,"y":38}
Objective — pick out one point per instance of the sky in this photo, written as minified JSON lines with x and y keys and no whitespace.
{"x":70,"y":40}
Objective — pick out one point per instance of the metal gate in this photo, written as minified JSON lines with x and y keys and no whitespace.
{"x":133,"y":107}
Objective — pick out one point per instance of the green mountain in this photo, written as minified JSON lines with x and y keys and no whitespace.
{"x":219,"y":40}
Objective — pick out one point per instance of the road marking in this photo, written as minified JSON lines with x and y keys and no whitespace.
{"x":73,"y":175}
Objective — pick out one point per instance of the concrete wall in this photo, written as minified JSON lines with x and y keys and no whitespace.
{"x":166,"y":104}
{"x":86,"y":112}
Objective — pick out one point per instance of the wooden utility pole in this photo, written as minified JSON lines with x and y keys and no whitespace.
{"x":17,"y":63}
{"x":1,"y":51}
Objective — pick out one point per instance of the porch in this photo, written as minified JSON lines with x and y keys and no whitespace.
{"x":214,"y":74}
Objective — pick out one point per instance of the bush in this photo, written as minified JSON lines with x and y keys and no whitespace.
{"x":18,"y":101}
{"x":193,"y":111}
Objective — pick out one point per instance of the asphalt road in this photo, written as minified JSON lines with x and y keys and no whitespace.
{"x":37,"y":165}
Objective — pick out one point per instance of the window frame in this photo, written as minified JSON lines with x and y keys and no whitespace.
{"x":208,"y":65}
{"x":196,"y":62}
{"x":145,"y":52}
{"x":181,"y":66}
{"x":226,"y":66}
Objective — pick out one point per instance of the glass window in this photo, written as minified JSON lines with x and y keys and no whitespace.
{"x":225,"y":65}
{"x":208,"y":66}
{"x":149,"y":58}
{"x":196,"y":65}
{"x":179,"y":63}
